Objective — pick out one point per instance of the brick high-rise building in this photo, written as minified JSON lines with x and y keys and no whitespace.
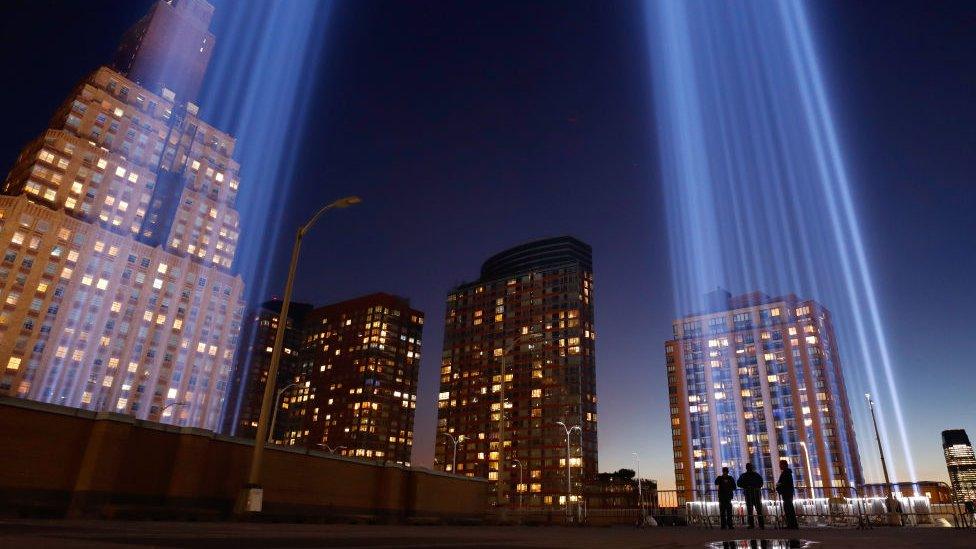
{"x":118,"y":231}
{"x":961,"y":463}
{"x":521,"y":339}
{"x":758,"y":379}
{"x":361,"y":358}
{"x":251,"y":372}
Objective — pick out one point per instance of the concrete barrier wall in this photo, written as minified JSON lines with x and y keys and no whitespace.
{"x":64,"y":462}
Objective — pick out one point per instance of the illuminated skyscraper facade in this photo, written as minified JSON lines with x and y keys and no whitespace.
{"x":519,"y":358}
{"x":251,"y":373}
{"x":361,"y":358}
{"x":756,"y":380}
{"x":961,"y":463}
{"x":118,"y":229}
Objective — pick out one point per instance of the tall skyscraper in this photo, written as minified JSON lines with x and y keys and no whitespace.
{"x":361,"y":358}
{"x":961,"y":463}
{"x":118,"y":230}
{"x":251,"y":372}
{"x":519,"y":358}
{"x":756,"y":380}
{"x":169,"y":48}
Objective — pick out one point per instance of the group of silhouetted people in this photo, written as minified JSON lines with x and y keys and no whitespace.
{"x":751,"y":484}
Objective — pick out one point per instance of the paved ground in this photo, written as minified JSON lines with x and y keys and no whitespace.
{"x":84,"y":534}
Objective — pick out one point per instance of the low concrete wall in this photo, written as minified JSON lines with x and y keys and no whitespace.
{"x":61,"y":461}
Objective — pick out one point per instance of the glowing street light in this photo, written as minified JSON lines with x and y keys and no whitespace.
{"x":251,"y":496}
{"x":183,"y":403}
{"x":810,"y":482}
{"x":454,"y":440}
{"x":500,"y":486}
{"x":569,"y":469}
{"x":330,"y":449}
{"x":274,"y":416}
{"x":517,"y":463}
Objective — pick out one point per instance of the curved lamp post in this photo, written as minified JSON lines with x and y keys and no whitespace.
{"x":517,"y":463}
{"x":500,"y":486}
{"x":459,"y":438}
{"x":569,"y":468}
{"x":181,"y":403}
{"x":278,"y":395}
{"x":250,"y":499}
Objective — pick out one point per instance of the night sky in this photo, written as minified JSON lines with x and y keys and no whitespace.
{"x":470,"y":127}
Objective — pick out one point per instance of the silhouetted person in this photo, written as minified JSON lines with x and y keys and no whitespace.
{"x":751,"y":483}
{"x":786,"y":490}
{"x":726,"y":489}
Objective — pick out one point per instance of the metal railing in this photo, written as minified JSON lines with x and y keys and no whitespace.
{"x":848,"y":507}
{"x":851,"y":507}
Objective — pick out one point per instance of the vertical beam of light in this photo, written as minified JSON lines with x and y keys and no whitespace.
{"x":755,"y":183}
{"x":259,"y":87}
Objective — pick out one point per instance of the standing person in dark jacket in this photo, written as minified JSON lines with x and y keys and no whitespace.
{"x":786,"y":490}
{"x":751,"y":483}
{"x":726,"y":490}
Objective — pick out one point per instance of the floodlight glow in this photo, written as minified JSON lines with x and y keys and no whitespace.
{"x":260,"y":84}
{"x":756,"y":188}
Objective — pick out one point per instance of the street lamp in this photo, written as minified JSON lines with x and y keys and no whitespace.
{"x":250,"y":499}
{"x":274,"y":416}
{"x":890,"y":498}
{"x":502,"y":467}
{"x":569,"y":469}
{"x":517,"y":463}
{"x":640,"y":494}
{"x":454,"y":440}
{"x":330,"y":448}
{"x":182,"y":403}
{"x":810,"y":482}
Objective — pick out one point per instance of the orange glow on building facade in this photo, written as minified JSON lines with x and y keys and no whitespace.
{"x":524,"y":330}
{"x":361,"y":359}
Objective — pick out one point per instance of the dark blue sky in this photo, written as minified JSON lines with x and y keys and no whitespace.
{"x":471,"y":127}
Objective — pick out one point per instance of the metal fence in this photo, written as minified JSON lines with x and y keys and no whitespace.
{"x":838,"y":508}
{"x":848,"y":507}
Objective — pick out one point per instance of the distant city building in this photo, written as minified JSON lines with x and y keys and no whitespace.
{"x":961,"y":463}
{"x":169,"y":48}
{"x":361,"y":358}
{"x":118,"y":230}
{"x":937,"y":492}
{"x":619,"y":490}
{"x":521,"y":339}
{"x":756,"y":380}
{"x":251,"y":373}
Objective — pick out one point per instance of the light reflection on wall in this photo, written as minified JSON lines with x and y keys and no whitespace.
{"x":757,"y":192}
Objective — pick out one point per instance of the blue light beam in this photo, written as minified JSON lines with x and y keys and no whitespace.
{"x":754,"y":177}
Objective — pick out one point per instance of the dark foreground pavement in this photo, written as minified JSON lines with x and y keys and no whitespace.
{"x":34,"y":534}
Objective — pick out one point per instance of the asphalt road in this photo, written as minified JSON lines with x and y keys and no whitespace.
{"x":34,"y":534}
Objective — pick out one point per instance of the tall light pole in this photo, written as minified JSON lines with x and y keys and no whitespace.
{"x":890,"y":498}
{"x":460,"y":438}
{"x":274,"y":416}
{"x":640,"y":493}
{"x":810,"y":482}
{"x":500,"y":486}
{"x":569,"y":469}
{"x":250,"y":499}
{"x":517,"y":463}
